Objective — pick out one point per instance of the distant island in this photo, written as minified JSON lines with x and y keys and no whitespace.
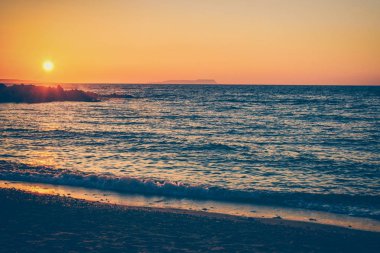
{"x":197,"y":81}
{"x":40,"y":94}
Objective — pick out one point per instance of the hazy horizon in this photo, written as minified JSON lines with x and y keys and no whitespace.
{"x":36,"y":82}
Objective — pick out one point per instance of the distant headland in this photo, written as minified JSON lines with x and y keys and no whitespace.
{"x":41,"y":94}
{"x":196,"y":81}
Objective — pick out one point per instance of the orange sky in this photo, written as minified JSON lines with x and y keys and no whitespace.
{"x":231,"y":41}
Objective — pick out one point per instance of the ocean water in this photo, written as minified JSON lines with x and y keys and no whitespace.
{"x":311,"y":147}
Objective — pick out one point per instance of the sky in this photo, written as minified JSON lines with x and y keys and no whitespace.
{"x":231,"y":41}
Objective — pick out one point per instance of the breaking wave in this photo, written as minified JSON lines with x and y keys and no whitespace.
{"x":336,"y":203}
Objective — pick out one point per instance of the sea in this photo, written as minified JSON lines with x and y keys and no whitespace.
{"x":308,"y":147}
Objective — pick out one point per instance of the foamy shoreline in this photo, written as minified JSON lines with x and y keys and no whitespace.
{"x":204,"y":206}
{"x":357,"y":206}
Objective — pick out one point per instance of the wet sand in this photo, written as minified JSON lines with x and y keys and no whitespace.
{"x":229,"y":208}
{"x":44,"y":223}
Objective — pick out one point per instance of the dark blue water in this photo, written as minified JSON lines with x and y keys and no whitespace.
{"x":315,"y":147}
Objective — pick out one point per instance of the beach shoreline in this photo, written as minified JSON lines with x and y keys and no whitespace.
{"x":33,"y":222}
{"x":248,"y":210}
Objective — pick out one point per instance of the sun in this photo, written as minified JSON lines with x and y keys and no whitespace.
{"x":48,"y":65}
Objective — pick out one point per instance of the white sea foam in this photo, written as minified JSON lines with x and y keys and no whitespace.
{"x":352,"y":205}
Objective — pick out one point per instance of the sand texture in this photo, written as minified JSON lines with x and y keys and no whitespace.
{"x":40,"y":223}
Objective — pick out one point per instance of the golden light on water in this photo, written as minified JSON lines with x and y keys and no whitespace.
{"x":48,"y":66}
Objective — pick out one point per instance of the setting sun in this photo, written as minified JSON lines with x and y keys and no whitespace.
{"x":48,"y":65}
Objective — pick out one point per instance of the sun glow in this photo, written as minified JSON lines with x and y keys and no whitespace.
{"x":48,"y":65}
{"x":262,"y":42}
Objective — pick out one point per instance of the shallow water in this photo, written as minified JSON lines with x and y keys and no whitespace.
{"x":206,"y":206}
{"x":300,"y":146}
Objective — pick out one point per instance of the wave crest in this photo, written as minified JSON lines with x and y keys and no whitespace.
{"x":365,"y":206}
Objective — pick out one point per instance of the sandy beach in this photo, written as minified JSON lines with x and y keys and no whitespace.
{"x":44,"y":223}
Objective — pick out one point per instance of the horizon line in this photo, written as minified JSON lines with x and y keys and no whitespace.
{"x":20,"y":81}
